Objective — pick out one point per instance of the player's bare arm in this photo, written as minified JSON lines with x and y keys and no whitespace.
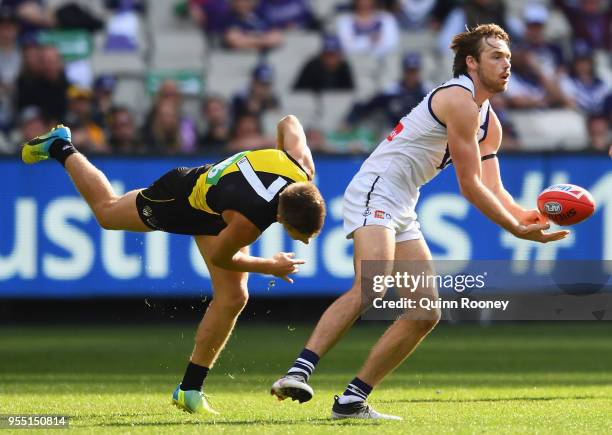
{"x":292,"y":139}
{"x":491,"y":175}
{"x":241,"y":232}
{"x":456,"y":108}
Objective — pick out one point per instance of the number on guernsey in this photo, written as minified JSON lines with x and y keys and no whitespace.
{"x":251,"y":176}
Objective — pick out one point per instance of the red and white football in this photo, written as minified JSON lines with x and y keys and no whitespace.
{"x":566,"y":204}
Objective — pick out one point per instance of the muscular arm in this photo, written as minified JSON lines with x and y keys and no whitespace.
{"x":241,"y":232}
{"x":292,"y":139}
{"x":238,"y":233}
{"x":456,"y":108}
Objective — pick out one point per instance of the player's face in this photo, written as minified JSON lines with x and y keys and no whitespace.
{"x":494,"y":65}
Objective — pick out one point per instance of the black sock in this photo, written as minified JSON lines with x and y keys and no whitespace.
{"x":60,"y":150}
{"x":194,"y":377}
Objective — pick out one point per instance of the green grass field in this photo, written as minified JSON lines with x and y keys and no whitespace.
{"x":523,"y":378}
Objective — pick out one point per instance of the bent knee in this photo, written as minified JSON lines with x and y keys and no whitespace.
{"x":428,"y":321}
{"x":421,"y":321}
{"x":234,"y":302}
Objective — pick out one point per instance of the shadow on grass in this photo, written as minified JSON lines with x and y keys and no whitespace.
{"x":262,"y":421}
{"x":494,"y":399}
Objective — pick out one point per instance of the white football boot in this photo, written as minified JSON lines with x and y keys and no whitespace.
{"x":358,"y":410}
{"x":293,"y":386}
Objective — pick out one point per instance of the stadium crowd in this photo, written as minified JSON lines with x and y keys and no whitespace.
{"x":561,"y":71}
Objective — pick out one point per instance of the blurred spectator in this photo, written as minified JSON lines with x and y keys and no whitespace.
{"x":104,"y":87}
{"x":288,"y":14}
{"x":10,"y":63}
{"x":530,"y":87}
{"x":33,"y":15}
{"x":90,"y":136}
{"x":169,"y":94}
{"x":607,"y":107}
{"x":247,"y":135}
{"x":10,"y":56}
{"x":139,"y":6}
{"x":413,"y":14}
{"x":123,"y":136}
{"x":244,"y":30}
{"x":259,"y":97}
{"x":548,"y":54}
{"x":600,"y":136}
{"x":316,"y":139}
{"x":42,"y":82}
{"x":398,"y":101}
{"x":169,"y":90}
{"x":31,"y":123}
{"x":326,"y":71}
{"x":36,"y":15}
{"x":591,"y":21}
{"x":471,"y":13}
{"x":582,"y":86}
{"x":217,"y":133}
{"x":209,"y":15}
{"x":441,"y":11}
{"x":75,"y":15}
{"x":163,"y":133}
{"x":368,"y":29}
{"x":123,"y":27}
{"x":166,"y":133}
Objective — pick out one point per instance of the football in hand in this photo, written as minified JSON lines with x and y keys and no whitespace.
{"x":566,"y":204}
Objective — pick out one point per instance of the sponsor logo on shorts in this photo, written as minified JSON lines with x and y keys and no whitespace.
{"x":147,"y":211}
{"x":552,"y":207}
{"x":380,"y":214}
{"x":154,"y":223}
{"x":367,"y":212}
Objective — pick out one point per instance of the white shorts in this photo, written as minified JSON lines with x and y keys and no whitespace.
{"x":369,"y":200}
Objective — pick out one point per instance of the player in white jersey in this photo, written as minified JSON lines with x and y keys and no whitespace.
{"x":454,"y":122}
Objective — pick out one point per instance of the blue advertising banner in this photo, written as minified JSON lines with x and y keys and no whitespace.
{"x":51,"y":245}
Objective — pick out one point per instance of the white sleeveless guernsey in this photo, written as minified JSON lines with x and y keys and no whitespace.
{"x":386,"y":188}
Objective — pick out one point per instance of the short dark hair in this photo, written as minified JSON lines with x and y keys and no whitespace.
{"x":469,"y":43}
{"x":302,"y":207}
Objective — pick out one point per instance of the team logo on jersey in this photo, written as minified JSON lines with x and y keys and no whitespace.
{"x":552,"y":207}
{"x":397,"y":130}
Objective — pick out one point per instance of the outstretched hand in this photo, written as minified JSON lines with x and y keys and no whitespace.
{"x":535,"y":232}
{"x":284,"y":264}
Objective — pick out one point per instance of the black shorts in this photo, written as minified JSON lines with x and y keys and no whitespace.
{"x":164,"y":205}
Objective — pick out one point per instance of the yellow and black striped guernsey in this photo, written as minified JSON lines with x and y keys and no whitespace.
{"x":248,"y":182}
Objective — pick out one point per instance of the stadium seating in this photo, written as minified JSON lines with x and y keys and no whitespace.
{"x":170,"y":43}
{"x":550,"y":129}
